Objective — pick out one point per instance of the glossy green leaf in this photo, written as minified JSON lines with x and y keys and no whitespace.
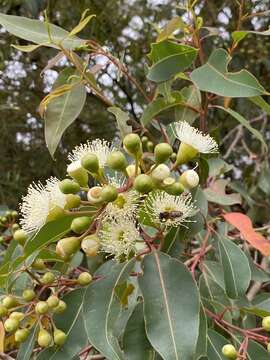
{"x":214,"y":77}
{"x":135,"y":343}
{"x":103,"y":311}
{"x":215,"y":345}
{"x":121,"y":117}
{"x":160,"y":104}
{"x":168,"y":59}
{"x":72,"y":323}
{"x":64,"y":109}
{"x":26,"y":348}
{"x":171,"y":306}
{"x":245,"y":123}
{"x":36,"y":32}
{"x":191,"y":97}
{"x":237,"y":274}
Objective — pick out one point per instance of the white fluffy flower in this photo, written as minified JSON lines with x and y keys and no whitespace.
{"x":118,"y":238}
{"x":187,"y":134}
{"x":38,"y":202}
{"x":169,"y":210}
{"x":101,"y":148}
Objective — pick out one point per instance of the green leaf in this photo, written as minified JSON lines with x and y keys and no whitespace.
{"x":26,"y":348}
{"x":215,"y":345}
{"x":192,"y":97}
{"x":237,"y":274}
{"x":260,"y":308}
{"x":245,"y":123}
{"x":168,"y":59}
{"x":103,"y":311}
{"x":218,"y":166}
{"x":241,"y":34}
{"x":159,"y":105}
{"x":121,"y":117}
{"x":215,"y":78}
{"x":36,"y":32}
{"x":135,"y":343}
{"x":171,"y":306}
{"x":214,"y":270}
{"x":257,"y":351}
{"x":201,"y":349}
{"x":64,"y":109}
{"x":72,"y":323}
{"x":198,"y":221}
{"x":216,"y":193}
{"x":174,"y":24}
{"x":259,"y":101}
{"x":26,"y":48}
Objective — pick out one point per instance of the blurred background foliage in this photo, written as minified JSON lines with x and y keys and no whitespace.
{"x":125,"y":27}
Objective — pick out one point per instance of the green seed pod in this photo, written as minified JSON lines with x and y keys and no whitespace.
{"x":117,"y":161}
{"x":150,"y":146}
{"x":9,"y":302}
{"x":144,"y":140}
{"x":173,"y":156}
{"x":67,"y":247}
{"x":132,"y":144}
{"x":185,"y":154}
{"x":53,"y":301}
{"x":28,"y":294}
{"x":109,"y":193}
{"x":11,"y":325}
{"x":21,"y":335}
{"x":17,"y":315}
{"x":38,"y":264}
{"x":189,"y":179}
{"x":90,"y":245}
{"x":84,"y":279}
{"x":44,"y":338}
{"x":15,"y":227}
{"x":72,"y":201}
{"x":60,"y":308}
{"x":143,"y":183}
{"x":266,"y":323}
{"x":47,"y":278}
{"x":80,"y":224}
{"x":68,"y":186}
{"x":90,"y":162}
{"x":78,"y":173}
{"x":3,"y":310}
{"x":229,"y":352}
{"x":59,"y":337}
{"x":20,"y":236}
{"x":162,"y":152}
{"x":41,"y":307}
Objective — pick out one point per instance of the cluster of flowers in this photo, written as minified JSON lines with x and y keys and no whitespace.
{"x":106,"y":214}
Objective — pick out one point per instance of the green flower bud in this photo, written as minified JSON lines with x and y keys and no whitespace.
{"x":3,"y":310}
{"x":41,"y":307}
{"x":268,"y":347}
{"x":52,"y":301}
{"x":94,"y":195}
{"x":78,"y":173}
{"x":38,"y":264}
{"x":72,"y":201}
{"x":162,"y":152}
{"x":59,"y":337}
{"x":56,"y":212}
{"x":47,"y":278}
{"x":9,"y":302}
{"x":90,"y":162}
{"x":80,"y":224}
{"x":185,"y":154}
{"x":90,"y":245}
{"x":67,"y":247}
{"x":20,"y":236}
{"x":84,"y":279}
{"x":131,"y":170}
{"x":60,"y":308}
{"x":132,"y":144}
{"x":266,"y":323}
{"x":3,"y":219}
{"x":28,"y":294}
{"x":161,"y":172}
{"x":17,"y":315}
{"x":21,"y":335}
{"x":11,"y":325}
{"x":175,"y":189}
{"x":44,"y":338}
{"x":144,"y":140}
{"x":109,"y":193}
{"x":14,"y":214}
{"x":15,"y":227}
{"x":229,"y":352}
{"x":68,"y":186}
{"x":117,"y":161}
{"x":143,"y":183}
{"x":189,"y":179}
{"x":2,"y":239}
{"x":150,"y":146}
{"x":173,"y":156}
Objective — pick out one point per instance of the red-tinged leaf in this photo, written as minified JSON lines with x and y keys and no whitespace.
{"x":244,"y":225}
